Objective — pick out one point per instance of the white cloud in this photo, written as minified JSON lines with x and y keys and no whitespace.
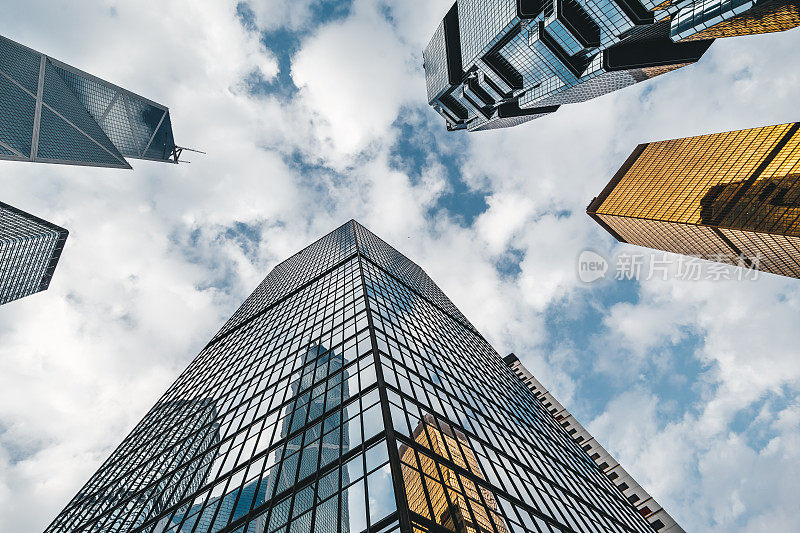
{"x":354,"y":76}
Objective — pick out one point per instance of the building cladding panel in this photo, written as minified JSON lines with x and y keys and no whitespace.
{"x":540,"y":53}
{"x":350,"y":395}
{"x":435,"y":55}
{"x":29,"y":252}
{"x":51,"y":112}
{"x":658,"y":518}
{"x":732,"y":197}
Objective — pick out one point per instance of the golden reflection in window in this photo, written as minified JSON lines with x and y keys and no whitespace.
{"x":769,"y":18}
{"x":441,"y":494}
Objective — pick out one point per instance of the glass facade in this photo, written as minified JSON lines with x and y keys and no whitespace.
{"x":348,"y":394}
{"x":648,"y":507}
{"x":499,"y":63}
{"x":51,"y":112}
{"x":29,"y":252}
{"x":730,"y":197}
{"x":722,"y":18}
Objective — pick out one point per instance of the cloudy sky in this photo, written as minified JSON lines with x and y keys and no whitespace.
{"x":313,"y":112}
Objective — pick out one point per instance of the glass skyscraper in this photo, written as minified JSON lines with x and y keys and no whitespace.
{"x":499,"y":63}
{"x":728,"y":197}
{"x":349,"y":394}
{"x":51,"y":112}
{"x":29,"y":252}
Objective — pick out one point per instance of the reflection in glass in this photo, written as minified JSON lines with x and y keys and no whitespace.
{"x":771,"y":205}
{"x":298,"y":442}
{"x":160,"y":487}
{"x":306,"y":450}
{"x":462,"y":510}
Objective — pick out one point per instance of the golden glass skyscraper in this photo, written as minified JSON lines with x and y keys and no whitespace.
{"x":706,"y":21}
{"x":730,"y":197}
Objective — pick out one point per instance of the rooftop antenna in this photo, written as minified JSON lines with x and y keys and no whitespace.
{"x":178,"y":150}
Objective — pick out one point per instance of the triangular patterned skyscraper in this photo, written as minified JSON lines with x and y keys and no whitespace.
{"x":348,"y":394}
{"x":51,"y":112}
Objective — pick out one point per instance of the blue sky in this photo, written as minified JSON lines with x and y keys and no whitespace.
{"x":314,"y":112}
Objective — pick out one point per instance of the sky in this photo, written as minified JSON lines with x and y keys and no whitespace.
{"x":313,"y":112}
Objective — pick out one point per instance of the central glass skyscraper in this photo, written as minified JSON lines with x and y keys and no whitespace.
{"x":348,"y":394}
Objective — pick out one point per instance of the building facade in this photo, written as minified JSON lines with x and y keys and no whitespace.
{"x":351,"y":395}
{"x":633,"y":492}
{"x":185,"y":428}
{"x":498,"y":63}
{"x":728,"y":197}
{"x":29,"y":252}
{"x":51,"y":112}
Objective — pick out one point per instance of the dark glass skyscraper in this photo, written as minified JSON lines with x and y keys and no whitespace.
{"x":51,"y":112}
{"x":728,"y":197}
{"x":29,"y":252}
{"x":350,"y":395}
{"x":499,"y":63}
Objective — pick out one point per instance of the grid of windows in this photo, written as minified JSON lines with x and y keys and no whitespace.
{"x":633,"y":492}
{"x":482,"y":23}
{"x":84,"y":120}
{"x":20,"y":64}
{"x":61,"y":100}
{"x":296,"y":271}
{"x":29,"y":251}
{"x":684,"y":170}
{"x":60,"y":141}
{"x":17,"y":109}
{"x":724,"y":197}
{"x":375,"y":249}
{"x":435,"y":367}
{"x":348,"y":395}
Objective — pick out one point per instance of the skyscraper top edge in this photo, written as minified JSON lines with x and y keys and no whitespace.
{"x":597,"y":202}
{"x":63,"y":232}
{"x":723,"y":132}
{"x":343,"y":244}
